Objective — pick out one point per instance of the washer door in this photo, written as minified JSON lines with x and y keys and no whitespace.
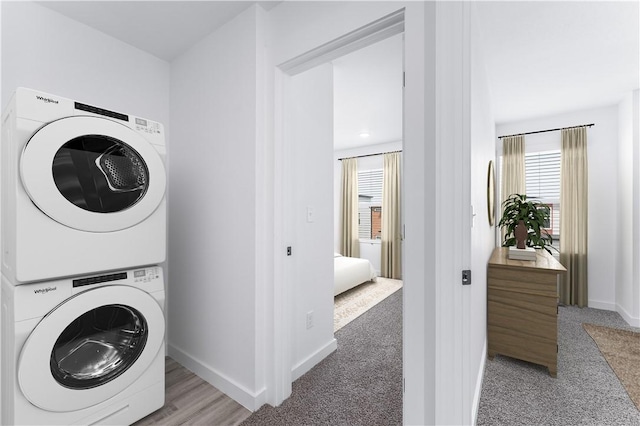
{"x":92,"y":174}
{"x":90,"y":348}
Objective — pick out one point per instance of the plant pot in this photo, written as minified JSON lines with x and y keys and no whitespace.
{"x":521,"y":232}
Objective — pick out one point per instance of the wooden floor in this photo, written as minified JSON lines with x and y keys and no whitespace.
{"x":192,"y":401}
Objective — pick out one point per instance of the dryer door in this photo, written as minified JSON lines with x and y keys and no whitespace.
{"x":92,"y":174}
{"x":90,"y":348}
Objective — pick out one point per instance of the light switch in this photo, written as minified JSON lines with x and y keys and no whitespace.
{"x":473,"y":216}
{"x":310,"y":215}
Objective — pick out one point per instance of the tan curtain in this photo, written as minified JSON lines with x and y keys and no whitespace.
{"x":391,"y":243}
{"x":574,"y":217}
{"x":513,"y":174}
{"x":349,"y":243}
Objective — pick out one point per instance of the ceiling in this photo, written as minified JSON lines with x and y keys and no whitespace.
{"x":545,"y":58}
{"x":163,"y":28}
{"x":542,"y":58}
{"x":367,"y":95}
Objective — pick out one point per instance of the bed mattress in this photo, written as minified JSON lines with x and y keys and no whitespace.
{"x":350,"y":272}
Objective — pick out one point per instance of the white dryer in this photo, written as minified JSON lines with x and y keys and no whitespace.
{"x":83,"y":189}
{"x":88,"y":350}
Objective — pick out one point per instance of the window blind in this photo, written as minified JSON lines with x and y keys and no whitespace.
{"x":542,"y":175}
{"x":369,"y":195}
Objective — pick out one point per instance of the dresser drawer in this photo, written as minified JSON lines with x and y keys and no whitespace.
{"x":527,"y":347}
{"x":533,"y":282}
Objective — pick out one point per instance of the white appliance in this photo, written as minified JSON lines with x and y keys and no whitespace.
{"x":86,"y":350}
{"x":83,"y":189}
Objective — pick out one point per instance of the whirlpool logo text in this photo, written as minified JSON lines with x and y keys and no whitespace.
{"x":46,"y":100}
{"x":44,"y":290}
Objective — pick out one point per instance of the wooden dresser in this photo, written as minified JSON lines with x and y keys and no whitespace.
{"x":522,"y":308}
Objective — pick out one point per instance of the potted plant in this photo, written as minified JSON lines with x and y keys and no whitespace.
{"x":519,"y":212}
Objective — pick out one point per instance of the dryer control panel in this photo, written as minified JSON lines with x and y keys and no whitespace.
{"x":146,"y":274}
{"x":147,"y":126}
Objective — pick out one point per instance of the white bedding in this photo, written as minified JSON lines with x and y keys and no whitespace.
{"x":349,"y":272}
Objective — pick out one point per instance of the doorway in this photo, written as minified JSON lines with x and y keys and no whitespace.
{"x":367,"y":125}
{"x":420,"y":274}
{"x":303,"y":329}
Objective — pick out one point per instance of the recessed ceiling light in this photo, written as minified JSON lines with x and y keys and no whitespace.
{"x":364,"y":135}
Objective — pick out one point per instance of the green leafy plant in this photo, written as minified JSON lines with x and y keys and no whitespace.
{"x":534,"y":214}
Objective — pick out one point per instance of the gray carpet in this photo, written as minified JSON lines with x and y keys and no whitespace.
{"x":586,"y":392}
{"x":359,"y":384}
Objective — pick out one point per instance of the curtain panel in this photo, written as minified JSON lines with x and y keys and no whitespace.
{"x":574,"y":217}
{"x":391,"y":261}
{"x":349,"y":242}
{"x":513,"y":171}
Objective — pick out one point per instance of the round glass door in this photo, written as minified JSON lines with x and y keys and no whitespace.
{"x":93,"y":174}
{"x":100,"y":174}
{"x":91,"y":347}
{"x":98,"y":346}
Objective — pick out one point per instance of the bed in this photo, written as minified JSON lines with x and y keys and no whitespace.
{"x":349,"y":272}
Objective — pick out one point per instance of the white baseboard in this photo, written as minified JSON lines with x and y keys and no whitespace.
{"x":250,"y":400}
{"x":632,"y":321}
{"x":476,"y":395}
{"x":311,"y":361}
{"x":607,"y":306}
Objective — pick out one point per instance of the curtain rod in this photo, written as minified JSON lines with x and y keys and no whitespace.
{"x":548,"y":130}
{"x":368,"y":155}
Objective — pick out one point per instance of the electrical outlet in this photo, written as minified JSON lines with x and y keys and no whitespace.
{"x":309,"y":319}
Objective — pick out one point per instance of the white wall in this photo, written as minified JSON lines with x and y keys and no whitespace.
{"x":635,"y":118}
{"x":482,"y":233}
{"x":311,"y":124}
{"x":213,"y":212}
{"x":602,"y":152}
{"x":369,"y":249}
{"x":46,"y":51}
{"x":627,"y":283}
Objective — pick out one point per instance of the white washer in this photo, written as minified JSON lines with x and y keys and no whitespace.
{"x":83,"y":189}
{"x":88,"y":350}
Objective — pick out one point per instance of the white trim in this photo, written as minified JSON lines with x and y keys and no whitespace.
{"x":280,"y":384}
{"x":306,"y":365}
{"x":453,"y":212}
{"x":632,"y":321}
{"x":249,"y":400}
{"x":419,"y":211}
{"x":374,"y":32}
{"x":597,"y":304}
{"x":476,"y":395}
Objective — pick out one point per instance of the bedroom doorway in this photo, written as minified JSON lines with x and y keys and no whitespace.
{"x":367,"y":99}
{"x":307,"y":178}
{"x":296,"y":348}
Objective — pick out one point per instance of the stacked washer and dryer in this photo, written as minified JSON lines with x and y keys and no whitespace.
{"x":83,"y":218}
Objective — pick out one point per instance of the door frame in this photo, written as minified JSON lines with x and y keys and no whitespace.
{"x":378,"y":30}
{"x":437,"y":208}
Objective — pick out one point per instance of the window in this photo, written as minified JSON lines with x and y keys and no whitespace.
{"x":370,"y":204}
{"x":542,"y":174}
